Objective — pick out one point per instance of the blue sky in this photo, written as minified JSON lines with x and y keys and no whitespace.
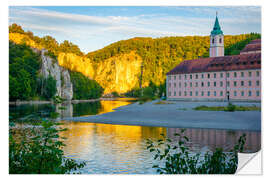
{"x":92,"y":28}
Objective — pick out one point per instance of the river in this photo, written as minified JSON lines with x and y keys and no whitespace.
{"x":121,"y":149}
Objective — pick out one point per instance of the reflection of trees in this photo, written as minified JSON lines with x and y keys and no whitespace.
{"x":219,"y":138}
{"x":89,"y":108}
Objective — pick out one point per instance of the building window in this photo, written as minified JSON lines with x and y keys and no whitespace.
{"x":190,"y":84}
{"x":196,"y":93}
{"x":215,"y":84}
{"x":221,"y":75}
{"x":235,"y":74}
{"x":202,"y":76}
{"x":215,"y":93}
{"x":257,"y":93}
{"x":174,"y":84}
{"x":174,"y":77}
{"x":258,"y":83}
{"x":174,"y":93}
{"x":208,"y":93}
{"x":242,"y":93}
{"x":249,"y":83}
{"x":190,"y":76}
{"x":221,"y":83}
{"x":185,"y":76}
{"x":228,"y":74}
{"x":202,"y":84}
{"x":196,"y":76}
{"x":235,"y":93}
{"x":202,"y":93}
{"x":242,"y":83}
{"x":179,"y":93}
{"x":185,"y":93}
{"x":169,"y":77}
{"x":169,"y":93}
{"x":220,"y":40}
{"x":228,"y":84}
{"x":179,"y":76}
{"x":190,"y":93}
{"x":249,"y":93}
{"x":257,"y":73}
{"x":185,"y":84}
{"x":208,"y":83}
{"x":249,"y":74}
{"x":169,"y":84}
{"x":221,"y":93}
{"x":234,"y":83}
{"x":179,"y":84}
{"x":215,"y":75}
{"x":196,"y":84}
{"x":208,"y":76}
{"x":213,"y":40}
{"x":242,"y":74}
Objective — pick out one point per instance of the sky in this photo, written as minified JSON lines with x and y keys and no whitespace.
{"x":92,"y":28}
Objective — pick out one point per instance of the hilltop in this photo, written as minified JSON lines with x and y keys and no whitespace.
{"x":118,"y":67}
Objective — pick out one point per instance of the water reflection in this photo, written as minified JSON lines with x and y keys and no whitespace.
{"x":122,"y":149}
{"x":68,"y":109}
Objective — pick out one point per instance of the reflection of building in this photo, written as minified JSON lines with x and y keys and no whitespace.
{"x":218,"y":77}
{"x":219,"y":138}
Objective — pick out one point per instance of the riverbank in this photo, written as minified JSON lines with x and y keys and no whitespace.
{"x":17,"y":103}
{"x":179,"y":115}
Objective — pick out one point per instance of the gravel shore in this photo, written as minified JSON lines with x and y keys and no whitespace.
{"x":179,"y":115}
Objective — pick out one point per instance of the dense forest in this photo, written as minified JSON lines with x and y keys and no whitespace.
{"x":85,"y":88}
{"x":24,"y":81}
{"x":122,"y":66}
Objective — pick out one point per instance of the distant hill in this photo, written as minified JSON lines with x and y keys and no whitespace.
{"x":118,"y":67}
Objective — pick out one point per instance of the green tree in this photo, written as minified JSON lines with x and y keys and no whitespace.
{"x":85,"y":88}
{"x":41,"y":152}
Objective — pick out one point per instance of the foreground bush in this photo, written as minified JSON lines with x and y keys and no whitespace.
{"x":229,"y":108}
{"x":40,"y":153}
{"x":178,"y":159}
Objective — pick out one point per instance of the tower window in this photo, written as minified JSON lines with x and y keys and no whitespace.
{"x":213,"y":40}
{"x":220,"y":40}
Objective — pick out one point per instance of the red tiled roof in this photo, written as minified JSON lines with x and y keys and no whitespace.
{"x":256,"y":41}
{"x":222,"y":63}
{"x":252,"y":47}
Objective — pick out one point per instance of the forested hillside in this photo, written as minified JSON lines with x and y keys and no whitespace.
{"x":119,"y":66}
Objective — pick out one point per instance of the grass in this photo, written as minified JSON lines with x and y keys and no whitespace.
{"x":163,"y":102}
{"x":229,"y":108}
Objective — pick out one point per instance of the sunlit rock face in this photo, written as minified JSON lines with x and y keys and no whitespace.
{"x":120,"y":73}
{"x":50,"y":66}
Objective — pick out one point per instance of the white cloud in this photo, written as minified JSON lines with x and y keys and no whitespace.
{"x":93,"y":29}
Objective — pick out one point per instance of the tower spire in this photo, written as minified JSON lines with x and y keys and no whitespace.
{"x":216,"y":30}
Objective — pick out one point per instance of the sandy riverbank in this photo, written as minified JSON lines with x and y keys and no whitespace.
{"x":179,"y":114}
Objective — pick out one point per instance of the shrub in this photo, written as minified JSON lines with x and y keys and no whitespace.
{"x":230,"y":107}
{"x":40,"y":153}
{"x":178,"y":159}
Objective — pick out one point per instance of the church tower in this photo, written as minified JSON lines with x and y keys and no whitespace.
{"x":216,"y":41}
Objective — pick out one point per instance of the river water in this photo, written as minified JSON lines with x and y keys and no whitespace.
{"x":121,"y":149}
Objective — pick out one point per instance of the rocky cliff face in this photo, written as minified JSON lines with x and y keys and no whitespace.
{"x":119,"y":74}
{"x":51,"y":67}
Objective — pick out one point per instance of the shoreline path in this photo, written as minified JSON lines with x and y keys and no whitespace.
{"x":179,"y":115}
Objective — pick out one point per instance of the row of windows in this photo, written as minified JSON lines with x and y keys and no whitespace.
{"x":214,"y":93}
{"x":242,"y":83}
{"x":196,"y":76}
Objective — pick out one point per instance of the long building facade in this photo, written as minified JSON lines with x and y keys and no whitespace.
{"x":219,"y":77}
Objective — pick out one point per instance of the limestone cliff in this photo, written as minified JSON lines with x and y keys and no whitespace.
{"x":50,"y":66}
{"x":119,"y":74}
